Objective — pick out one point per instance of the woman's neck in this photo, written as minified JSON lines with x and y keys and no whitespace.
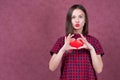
{"x":77,"y":31}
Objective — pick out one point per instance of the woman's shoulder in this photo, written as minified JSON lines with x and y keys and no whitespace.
{"x":91,"y":37}
{"x":61,"y":38}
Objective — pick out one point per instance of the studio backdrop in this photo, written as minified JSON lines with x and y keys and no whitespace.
{"x":29,"y":29}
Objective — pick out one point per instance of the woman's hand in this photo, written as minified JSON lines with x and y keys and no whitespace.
{"x":86,"y":44}
{"x":96,"y":59}
{"x":66,"y":45}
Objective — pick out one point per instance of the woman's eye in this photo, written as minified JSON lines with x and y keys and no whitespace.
{"x":73,"y":17}
{"x":80,"y":16}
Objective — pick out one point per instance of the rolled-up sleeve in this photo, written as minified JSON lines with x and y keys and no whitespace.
{"x":57,"y":46}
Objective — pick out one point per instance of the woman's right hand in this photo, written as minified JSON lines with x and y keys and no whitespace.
{"x":66,"y":45}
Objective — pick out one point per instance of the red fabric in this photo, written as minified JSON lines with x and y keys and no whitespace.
{"x":77,"y":64}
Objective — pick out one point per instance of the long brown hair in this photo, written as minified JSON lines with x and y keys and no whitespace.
{"x":69,"y":27}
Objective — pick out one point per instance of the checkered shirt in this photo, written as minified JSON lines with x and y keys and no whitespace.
{"x":77,"y":64}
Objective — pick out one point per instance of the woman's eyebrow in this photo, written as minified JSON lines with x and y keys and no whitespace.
{"x":81,"y":14}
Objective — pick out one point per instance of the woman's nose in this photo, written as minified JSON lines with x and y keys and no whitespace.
{"x":77,"y":20}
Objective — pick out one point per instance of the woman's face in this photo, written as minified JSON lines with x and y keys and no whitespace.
{"x":78,"y":19}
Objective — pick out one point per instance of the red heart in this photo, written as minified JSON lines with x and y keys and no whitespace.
{"x":76,"y":42}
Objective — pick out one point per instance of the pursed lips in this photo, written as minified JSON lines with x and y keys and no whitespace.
{"x":77,"y":25}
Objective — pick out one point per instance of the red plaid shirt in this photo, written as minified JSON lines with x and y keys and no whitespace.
{"x":77,"y":64}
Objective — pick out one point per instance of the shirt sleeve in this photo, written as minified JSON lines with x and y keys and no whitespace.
{"x":98,"y":48}
{"x":57,"y":46}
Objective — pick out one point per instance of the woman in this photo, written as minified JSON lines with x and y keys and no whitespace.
{"x":84,"y":61}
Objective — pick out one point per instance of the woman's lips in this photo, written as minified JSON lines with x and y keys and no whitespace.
{"x":77,"y":25}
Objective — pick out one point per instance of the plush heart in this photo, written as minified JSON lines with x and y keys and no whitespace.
{"x":76,"y":42}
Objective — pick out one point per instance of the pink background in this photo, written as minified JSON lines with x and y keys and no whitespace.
{"x":29,"y":28}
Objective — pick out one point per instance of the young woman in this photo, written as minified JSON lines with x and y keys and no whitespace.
{"x":81,"y":62}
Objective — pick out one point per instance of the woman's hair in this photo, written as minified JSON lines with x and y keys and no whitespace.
{"x":69,"y":27}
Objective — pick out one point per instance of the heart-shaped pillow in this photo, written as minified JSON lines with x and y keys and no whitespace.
{"x":76,"y":42}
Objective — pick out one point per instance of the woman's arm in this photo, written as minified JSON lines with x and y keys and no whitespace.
{"x":96,"y":61}
{"x":56,"y":58}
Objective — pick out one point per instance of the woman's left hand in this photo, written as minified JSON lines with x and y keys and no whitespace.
{"x":86,"y":44}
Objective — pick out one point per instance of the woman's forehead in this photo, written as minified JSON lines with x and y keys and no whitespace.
{"x":78,"y":12}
